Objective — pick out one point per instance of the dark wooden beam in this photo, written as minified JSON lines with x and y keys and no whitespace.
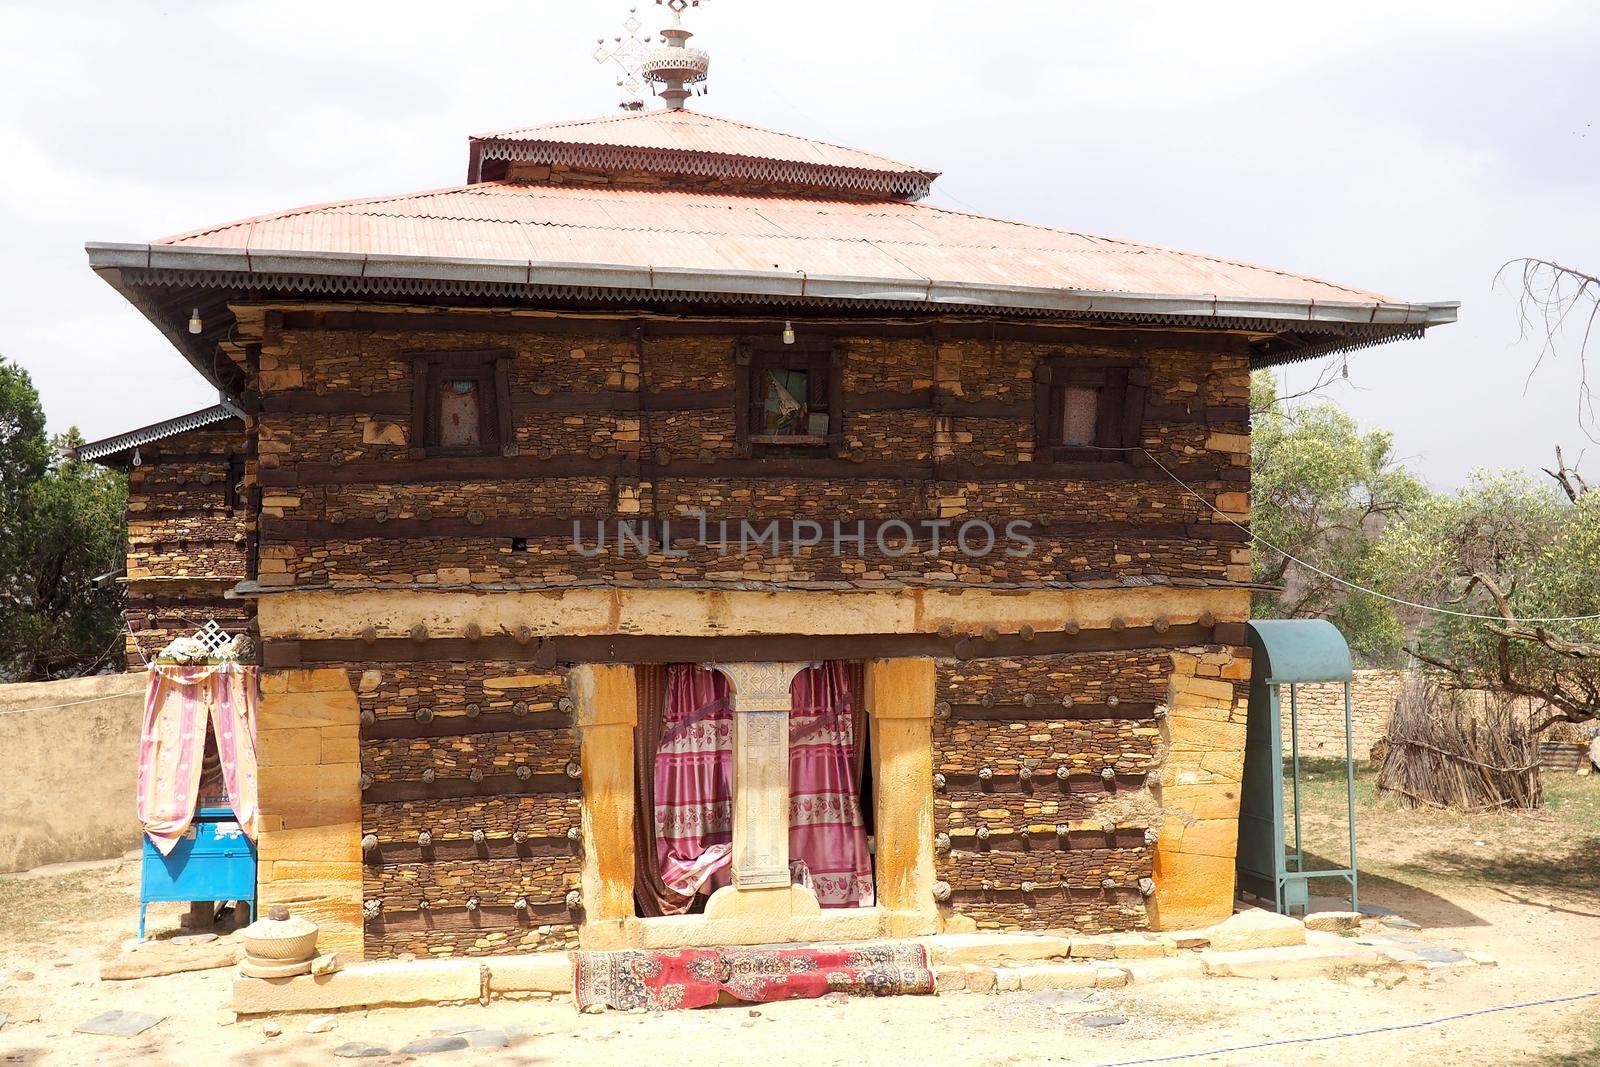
{"x":649,"y":325}
{"x":463,"y":920}
{"x":622,"y":648}
{"x":494,"y":785}
{"x":587,"y":530}
{"x":534,"y":468}
{"x":1053,"y":712}
{"x":464,"y":726}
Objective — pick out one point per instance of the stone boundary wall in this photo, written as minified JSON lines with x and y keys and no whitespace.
{"x":1372,"y":697}
{"x":67,"y":773}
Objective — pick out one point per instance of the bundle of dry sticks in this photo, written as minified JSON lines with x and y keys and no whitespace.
{"x":1467,"y":751}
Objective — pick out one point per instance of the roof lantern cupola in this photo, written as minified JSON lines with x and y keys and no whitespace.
{"x":674,"y":65}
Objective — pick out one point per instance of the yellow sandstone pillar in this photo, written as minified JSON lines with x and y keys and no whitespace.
{"x":308,"y":750}
{"x":900,"y":701}
{"x":1199,"y":790}
{"x":605,"y":702}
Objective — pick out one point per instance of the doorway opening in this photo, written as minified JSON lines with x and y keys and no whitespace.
{"x":684,"y":787}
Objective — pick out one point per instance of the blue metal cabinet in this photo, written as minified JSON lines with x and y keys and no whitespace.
{"x":214,"y":860}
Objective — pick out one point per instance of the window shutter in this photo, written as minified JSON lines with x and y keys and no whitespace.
{"x":833,"y":365}
{"x":1108,"y":425}
{"x":421,"y":400}
{"x":505,"y":427}
{"x":1045,"y":432}
{"x":1133,"y":407}
{"x":741,"y":398}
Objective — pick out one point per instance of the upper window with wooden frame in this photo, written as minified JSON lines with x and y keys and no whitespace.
{"x":788,"y":398}
{"x":461,"y":403}
{"x":1089,"y":409}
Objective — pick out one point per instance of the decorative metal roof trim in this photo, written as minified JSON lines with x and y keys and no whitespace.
{"x":1342,"y":323}
{"x":912,"y":185}
{"x":95,"y":451}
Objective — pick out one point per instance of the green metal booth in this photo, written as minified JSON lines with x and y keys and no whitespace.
{"x":1287,"y":652}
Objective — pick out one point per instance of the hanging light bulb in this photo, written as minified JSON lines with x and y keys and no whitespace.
{"x":1345,"y":370}
{"x":195,"y":325}
{"x":788,"y":333}
{"x":138,"y":460}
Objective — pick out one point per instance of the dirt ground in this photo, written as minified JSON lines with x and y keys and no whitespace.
{"x":1525,"y":889}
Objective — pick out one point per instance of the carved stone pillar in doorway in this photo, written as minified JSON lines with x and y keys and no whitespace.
{"x":761,"y":704}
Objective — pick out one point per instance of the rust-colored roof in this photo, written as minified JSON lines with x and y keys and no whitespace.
{"x":695,"y":131}
{"x":689,"y":142}
{"x":712,"y":232}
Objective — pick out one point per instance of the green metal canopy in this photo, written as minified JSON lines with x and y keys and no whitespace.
{"x":1298,"y":650}
{"x":1288,"y":652}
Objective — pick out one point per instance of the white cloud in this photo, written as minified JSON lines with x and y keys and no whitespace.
{"x":1411,"y":147}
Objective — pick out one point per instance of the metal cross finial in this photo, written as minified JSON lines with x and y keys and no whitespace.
{"x":627,"y":52}
{"x":673,"y":66}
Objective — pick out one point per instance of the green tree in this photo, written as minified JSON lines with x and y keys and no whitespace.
{"x":61,"y":526}
{"x":1323,"y":491}
{"x":1513,"y":550}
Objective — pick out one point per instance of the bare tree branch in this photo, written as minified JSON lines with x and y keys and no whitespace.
{"x":1550,"y":295}
{"x":1568,"y":478}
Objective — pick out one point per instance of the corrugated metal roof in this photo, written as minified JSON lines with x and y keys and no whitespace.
{"x":107,"y":448}
{"x":694,"y":131}
{"x":684,"y":230}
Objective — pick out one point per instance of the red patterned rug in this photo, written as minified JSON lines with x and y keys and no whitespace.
{"x":637,"y":980}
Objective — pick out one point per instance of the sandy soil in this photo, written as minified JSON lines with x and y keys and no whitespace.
{"x":57,"y":926}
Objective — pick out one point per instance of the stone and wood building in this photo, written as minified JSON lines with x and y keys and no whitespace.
{"x":186,"y":526}
{"x":666,"y":392}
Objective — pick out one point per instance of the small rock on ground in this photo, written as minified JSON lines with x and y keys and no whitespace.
{"x":1256,"y":928}
{"x":1333,"y":922}
{"x":425,"y":1046}
{"x":1399,"y":922}
{"x":454,"y":1027}
{"x":359,"y":1050}
{"x":1101,"y":1020}
{"x":1439,"y":954}
{"x":272,"y":1029}
{"x":487,"y":1039}
{"x":194,"y":939}
{"x":322,"y":1025}
{"x":118,"y":1023}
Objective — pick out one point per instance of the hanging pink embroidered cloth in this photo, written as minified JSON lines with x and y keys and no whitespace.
{"x":694,"y":782}
{"x":180,"y":701}
{"x":827,"y":838}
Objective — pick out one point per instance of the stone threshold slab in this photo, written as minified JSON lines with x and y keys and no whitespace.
{"x":979,"y":963}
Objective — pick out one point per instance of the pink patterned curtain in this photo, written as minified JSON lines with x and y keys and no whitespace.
{"x":179,"y":703}
{"x":694,"y":782}
{"x":827,"y":839}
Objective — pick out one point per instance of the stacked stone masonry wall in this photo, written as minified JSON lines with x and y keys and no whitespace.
{"x":1373,"y":693}
{"x":1049,"y":818}
{"x":1047,"y":807}
{"x":345,"y":503}
{"x":470,"y":810}
{"x":186,"y":540}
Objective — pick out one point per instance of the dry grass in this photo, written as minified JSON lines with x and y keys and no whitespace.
{"x":35,"y":909}
{"x":1557,"y":846}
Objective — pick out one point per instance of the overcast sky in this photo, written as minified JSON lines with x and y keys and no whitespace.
{"x":1406,"y":147}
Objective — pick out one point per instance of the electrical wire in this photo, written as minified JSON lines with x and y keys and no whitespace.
{"x":73,"y":703}
{"x":1174,"y":1057}
{"x":1334,"y":577}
